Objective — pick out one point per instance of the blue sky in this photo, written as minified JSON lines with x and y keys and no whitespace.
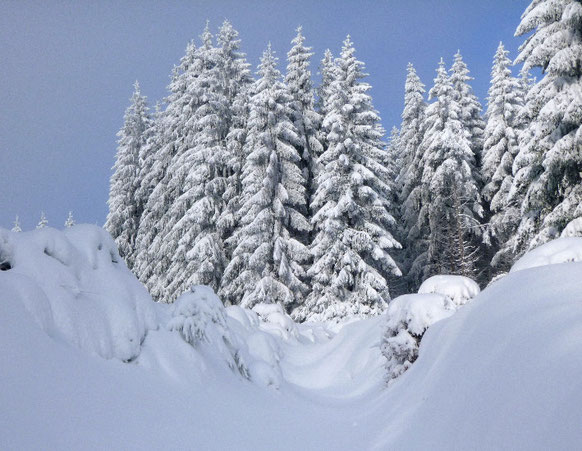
{"x":68,"y":68}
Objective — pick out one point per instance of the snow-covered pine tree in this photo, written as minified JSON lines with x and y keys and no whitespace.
{"x":352,"y":219}
{"x":267,"y":262}
{"x":327,"y":70}
{"x":123,"y":218}
{"x":548,"y":167}
{"x":153,"y":262}
{"x":43,"y":221}
{"x":306,"y":119}
{"x":450,"y":198}
{"x":194,"y":240}
{"x":70,"y":222}
{"x":16,"y":227}
{"x":237,"y":80}
{"x":470,"y":107}
{"x":500,"y":147}
{"x":409,"y":179}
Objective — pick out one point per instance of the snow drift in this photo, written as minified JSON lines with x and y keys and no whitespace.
{"x":89,"y":361}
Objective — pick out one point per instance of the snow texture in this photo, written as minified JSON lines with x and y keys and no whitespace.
{"x":458,"y":289}
{"x":557,"y":251}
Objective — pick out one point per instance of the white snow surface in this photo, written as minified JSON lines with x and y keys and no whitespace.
{"x":501,"y":373}
{"x":568,"y":249}
{"x":458,"y":289}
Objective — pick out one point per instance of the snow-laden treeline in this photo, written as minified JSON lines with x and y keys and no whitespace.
{"x":271,"y":189}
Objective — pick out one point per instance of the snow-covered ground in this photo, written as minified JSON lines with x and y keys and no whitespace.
{"x":88,"y":361}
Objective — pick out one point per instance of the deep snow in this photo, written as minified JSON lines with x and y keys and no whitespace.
{"x":501,"y":373}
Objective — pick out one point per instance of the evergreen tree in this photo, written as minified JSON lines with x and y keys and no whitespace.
{"x":154,"y":258}
{"x":267,"y":262}
{"x":123,"y":218}
{"x":43,"y":221}
{"x":193,"y":240}
{"x":352,"y":220}
{"x":470,"y":107}
{"x":450,"y":199}
{"x":500,"y":147}
{"x":16,"y":227}
{"x":548,"y":166}
{"x":328,"y":72}
{"x":70,"y":222}
{"x":305,"y":118}
{"x":410,"y":176}
{"x":235,"y":76}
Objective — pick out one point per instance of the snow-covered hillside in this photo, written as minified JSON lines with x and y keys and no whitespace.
{"x":88,"y":361}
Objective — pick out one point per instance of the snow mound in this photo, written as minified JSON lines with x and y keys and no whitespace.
{"x":574,"y":228}
{"x":458,"y":289}
{"x":502,"y":373}
{"x":561,"y":250}
{"x":74,"y":284}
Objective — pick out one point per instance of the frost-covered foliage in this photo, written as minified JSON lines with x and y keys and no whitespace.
{"x":78,"y":287}
{"x":16,"y":227}
{"x":505,"y":102}
{"x":199,"y":316}
{"x":561,"y":250}
{"x":450,"y":199}
{"x":351,"y":205}
{"x":266,"y":265}
{"x":458,"y":289}
{"x":408,"y":318}
{"x":574,"y":228}
{"x":306,"y":119}
{"x":548,"y":181}
{"x":410,"y":177}
{"x":43,"y":222}
{"x":70,"y":222}
{"x":124,"y":210}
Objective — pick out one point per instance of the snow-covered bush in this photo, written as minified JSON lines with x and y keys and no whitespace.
{"x":275,"y":320}
{"x":76,"y":286}
{"x":200,"y":318}
{"x":561,"y":250}
{"x":458,"y":289}
{"x":574,"y":228}
{"x":408,"y":318}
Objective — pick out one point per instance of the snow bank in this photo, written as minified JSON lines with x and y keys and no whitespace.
{"x":74,"y":284}
{"x":458,"y":289}
{"x":561,"y":250}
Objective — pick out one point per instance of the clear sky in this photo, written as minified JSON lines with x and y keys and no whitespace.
{"x":67,"y":70}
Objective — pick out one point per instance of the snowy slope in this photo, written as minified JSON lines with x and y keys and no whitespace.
{"x":501,"y":373}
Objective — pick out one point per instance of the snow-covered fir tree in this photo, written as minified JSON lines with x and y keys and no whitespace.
{"x":500,"y":147}
{"x":236,"y":77}
{"x":70,"y":222}
{"x":450,"y":198}
{"x":267,"y":263}
{"x":352,"y":220}
{"x":194,"y":241}
{"x":548,"y":167}
{"x":327,"y":70}
{"x":409,"y":179}
{"x":306,"y":119}
{"x":123,"y":217}
{"x":153,"y":262}
{"x":16,"y":227}
{"x":470,"y":107}
{"x":43,"y":221}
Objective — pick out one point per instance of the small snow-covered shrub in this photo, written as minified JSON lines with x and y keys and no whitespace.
{"x":574,"y":228}
{"x":458,"y":289}
{"x":275,"y":320}
{"x":409,"y":316}
{"x":561,"y":250}
{"x":199,"y":316}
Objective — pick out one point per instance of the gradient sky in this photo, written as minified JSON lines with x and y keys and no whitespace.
{"x":67,"y":70}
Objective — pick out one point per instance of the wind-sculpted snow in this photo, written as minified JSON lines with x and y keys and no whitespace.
{"x":557,"y":251}
{"x":501,"y":373}
{"x":75,"y":284}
